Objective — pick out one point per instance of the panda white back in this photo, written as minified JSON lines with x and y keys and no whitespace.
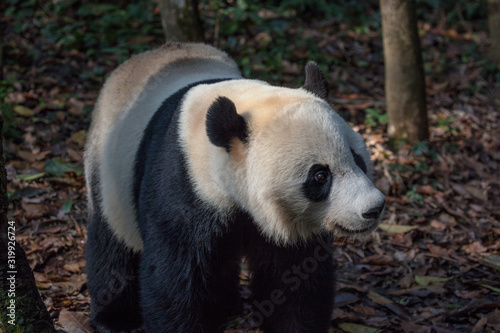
{"x":128,"y":100}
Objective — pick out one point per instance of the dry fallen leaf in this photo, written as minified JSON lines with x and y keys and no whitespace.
{"x":396,"y":228}
{"x":475,"y":248}
{"x":33,"y":211}
{"x":23,"y":111}
{"x":75,"y":322}
{"x":72,"y":267}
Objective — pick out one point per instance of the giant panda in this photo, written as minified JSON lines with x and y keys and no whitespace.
{"x":189,"y":167}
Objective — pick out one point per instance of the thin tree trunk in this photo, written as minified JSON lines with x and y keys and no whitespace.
{"x":494,"y":25}
{"x":21,"y":307}
{"x":1,"y":55}
{"x":2,"y":31}
{"x":404,"y":74}
{"x":180,"y":20}
{"x":4,"y":202}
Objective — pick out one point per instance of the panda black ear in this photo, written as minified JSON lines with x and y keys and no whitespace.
{"x":316,"y":81}
{"x":224,"y":123}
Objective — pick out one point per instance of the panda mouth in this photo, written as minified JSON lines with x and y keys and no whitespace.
{"x":366,"y":230}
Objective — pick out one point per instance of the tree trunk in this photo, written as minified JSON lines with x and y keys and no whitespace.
{"x":404,"y":74}
{"x":494,"y":25}
{"x":21,"y":307}
{"x":2,"y":31}
{"x":180,"y":20}
{"x":1,"y":54}
{"x":4,"y":202}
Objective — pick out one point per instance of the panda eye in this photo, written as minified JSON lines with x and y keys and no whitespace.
{"x":321,"y":176}
{"x":318,"y":183}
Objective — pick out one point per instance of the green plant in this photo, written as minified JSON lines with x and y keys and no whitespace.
{"x":420,"y":148}
{"x":399,"y":167}
{"x":446,"y":124}
{"x":115,"y":26}
{"x":423,"y":155}
{"x":10,"y":121}
{"x":260,"y":57}
{"x":422,"y":166}
{"x":374,"y":117}
{"x":455,"y":11}
{"x":413,"y":196}
{"x":423,"y":150}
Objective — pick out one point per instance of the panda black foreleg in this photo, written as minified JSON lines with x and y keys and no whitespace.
{"x":112,"y":280}
{"x":293,"y":286}
{"x":189,"y":279}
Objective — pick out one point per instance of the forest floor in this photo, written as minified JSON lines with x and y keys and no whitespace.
{"x":433,"y":266}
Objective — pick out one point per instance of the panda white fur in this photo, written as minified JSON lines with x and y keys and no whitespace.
{"x":189,"y":167}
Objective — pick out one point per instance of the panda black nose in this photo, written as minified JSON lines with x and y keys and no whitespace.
{"x":374,"y":213}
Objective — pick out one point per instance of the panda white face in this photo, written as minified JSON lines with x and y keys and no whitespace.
{"x":307,"y":173}
{"x":283,"y":155}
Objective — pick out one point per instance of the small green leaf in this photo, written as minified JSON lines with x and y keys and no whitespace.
{"x":426,"y":280}
{"x":362,"y":63}
{"x":114,"y":50}
{"x":356,"y":328}
{"x":493,"y":259}
{"x":66,"y":207}
{"x":23,"y":111}
{"x":78,"y":137}
{"x":495,"y":289}
{"x":56,"y":167}
{"x":29,"y":177}
{"x":397,"y":228}
{"x":413,"y":196}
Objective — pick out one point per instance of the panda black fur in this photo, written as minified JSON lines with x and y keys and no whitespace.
{"x":190,"y":167}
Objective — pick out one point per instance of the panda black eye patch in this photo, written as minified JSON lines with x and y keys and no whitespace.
{"x":359,"y":161}
{"x":319,"y":181}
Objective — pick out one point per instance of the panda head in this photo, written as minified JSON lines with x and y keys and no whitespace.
{"x":300,"y":170}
